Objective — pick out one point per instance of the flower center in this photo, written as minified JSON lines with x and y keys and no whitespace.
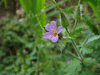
{"x":54,"y":32}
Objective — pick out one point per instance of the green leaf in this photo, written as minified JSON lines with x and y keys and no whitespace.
{"x":20,"y":39}
{"x":91,"y":60}
{"x":95,"y":10}
{"x":73,"y":67}
{"x":52,"y":13}
{"x":75,"y":32}
{"x":1,"y":66}
{"x":68,"y":10}
{"x":1,"y":53}
{"x":86,"y":50}
{"x":5,"y":2}
{"x":34,"y":7}
{"x":90,"y":24}
{"x":94,"y":4}
{"x":96,"y":37}
{"x":30,"y":70}
{"x":30,"y":45}
{"x":9,"y":67}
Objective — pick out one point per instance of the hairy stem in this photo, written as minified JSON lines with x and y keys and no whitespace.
{"x":73,"y":42}
{"x":75,"y":24}
{"x":76,"y":49}
{"x":73,"y":54}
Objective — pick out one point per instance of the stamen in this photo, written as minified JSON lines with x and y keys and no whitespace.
{"x":54,"y":32}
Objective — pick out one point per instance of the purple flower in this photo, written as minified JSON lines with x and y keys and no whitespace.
{"x":42,"y":10}
{"x":25,"y":51}
{"x":68,"y":62}
{"x":52,"y":31}
{"x":60,"y":8}
{"x":32,"y":62}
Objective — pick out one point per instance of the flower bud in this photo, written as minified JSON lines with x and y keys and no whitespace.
{"x":64,"y":20}
{"x":77,"y":13}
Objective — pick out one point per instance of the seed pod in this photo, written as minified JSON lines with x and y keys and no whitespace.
{"x":77,"y":13}
{"x":64,"y":20}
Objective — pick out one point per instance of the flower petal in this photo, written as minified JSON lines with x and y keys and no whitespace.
{"x":59,"y":29}
{"x":53,"y":24}
{"x":48,"y":27}
{"x":47,"y":35}
{"x":55,"y":38}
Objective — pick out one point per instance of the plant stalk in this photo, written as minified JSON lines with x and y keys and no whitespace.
{"x":75,"y":24}
{"x":73,"y":42}
{"x":76,"y":49}
{"x":73,"y":55}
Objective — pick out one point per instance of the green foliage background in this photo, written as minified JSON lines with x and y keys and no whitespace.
{"x":50,"y":58}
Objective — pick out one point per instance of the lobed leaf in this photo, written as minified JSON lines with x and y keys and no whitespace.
{"x":96,"y":37}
